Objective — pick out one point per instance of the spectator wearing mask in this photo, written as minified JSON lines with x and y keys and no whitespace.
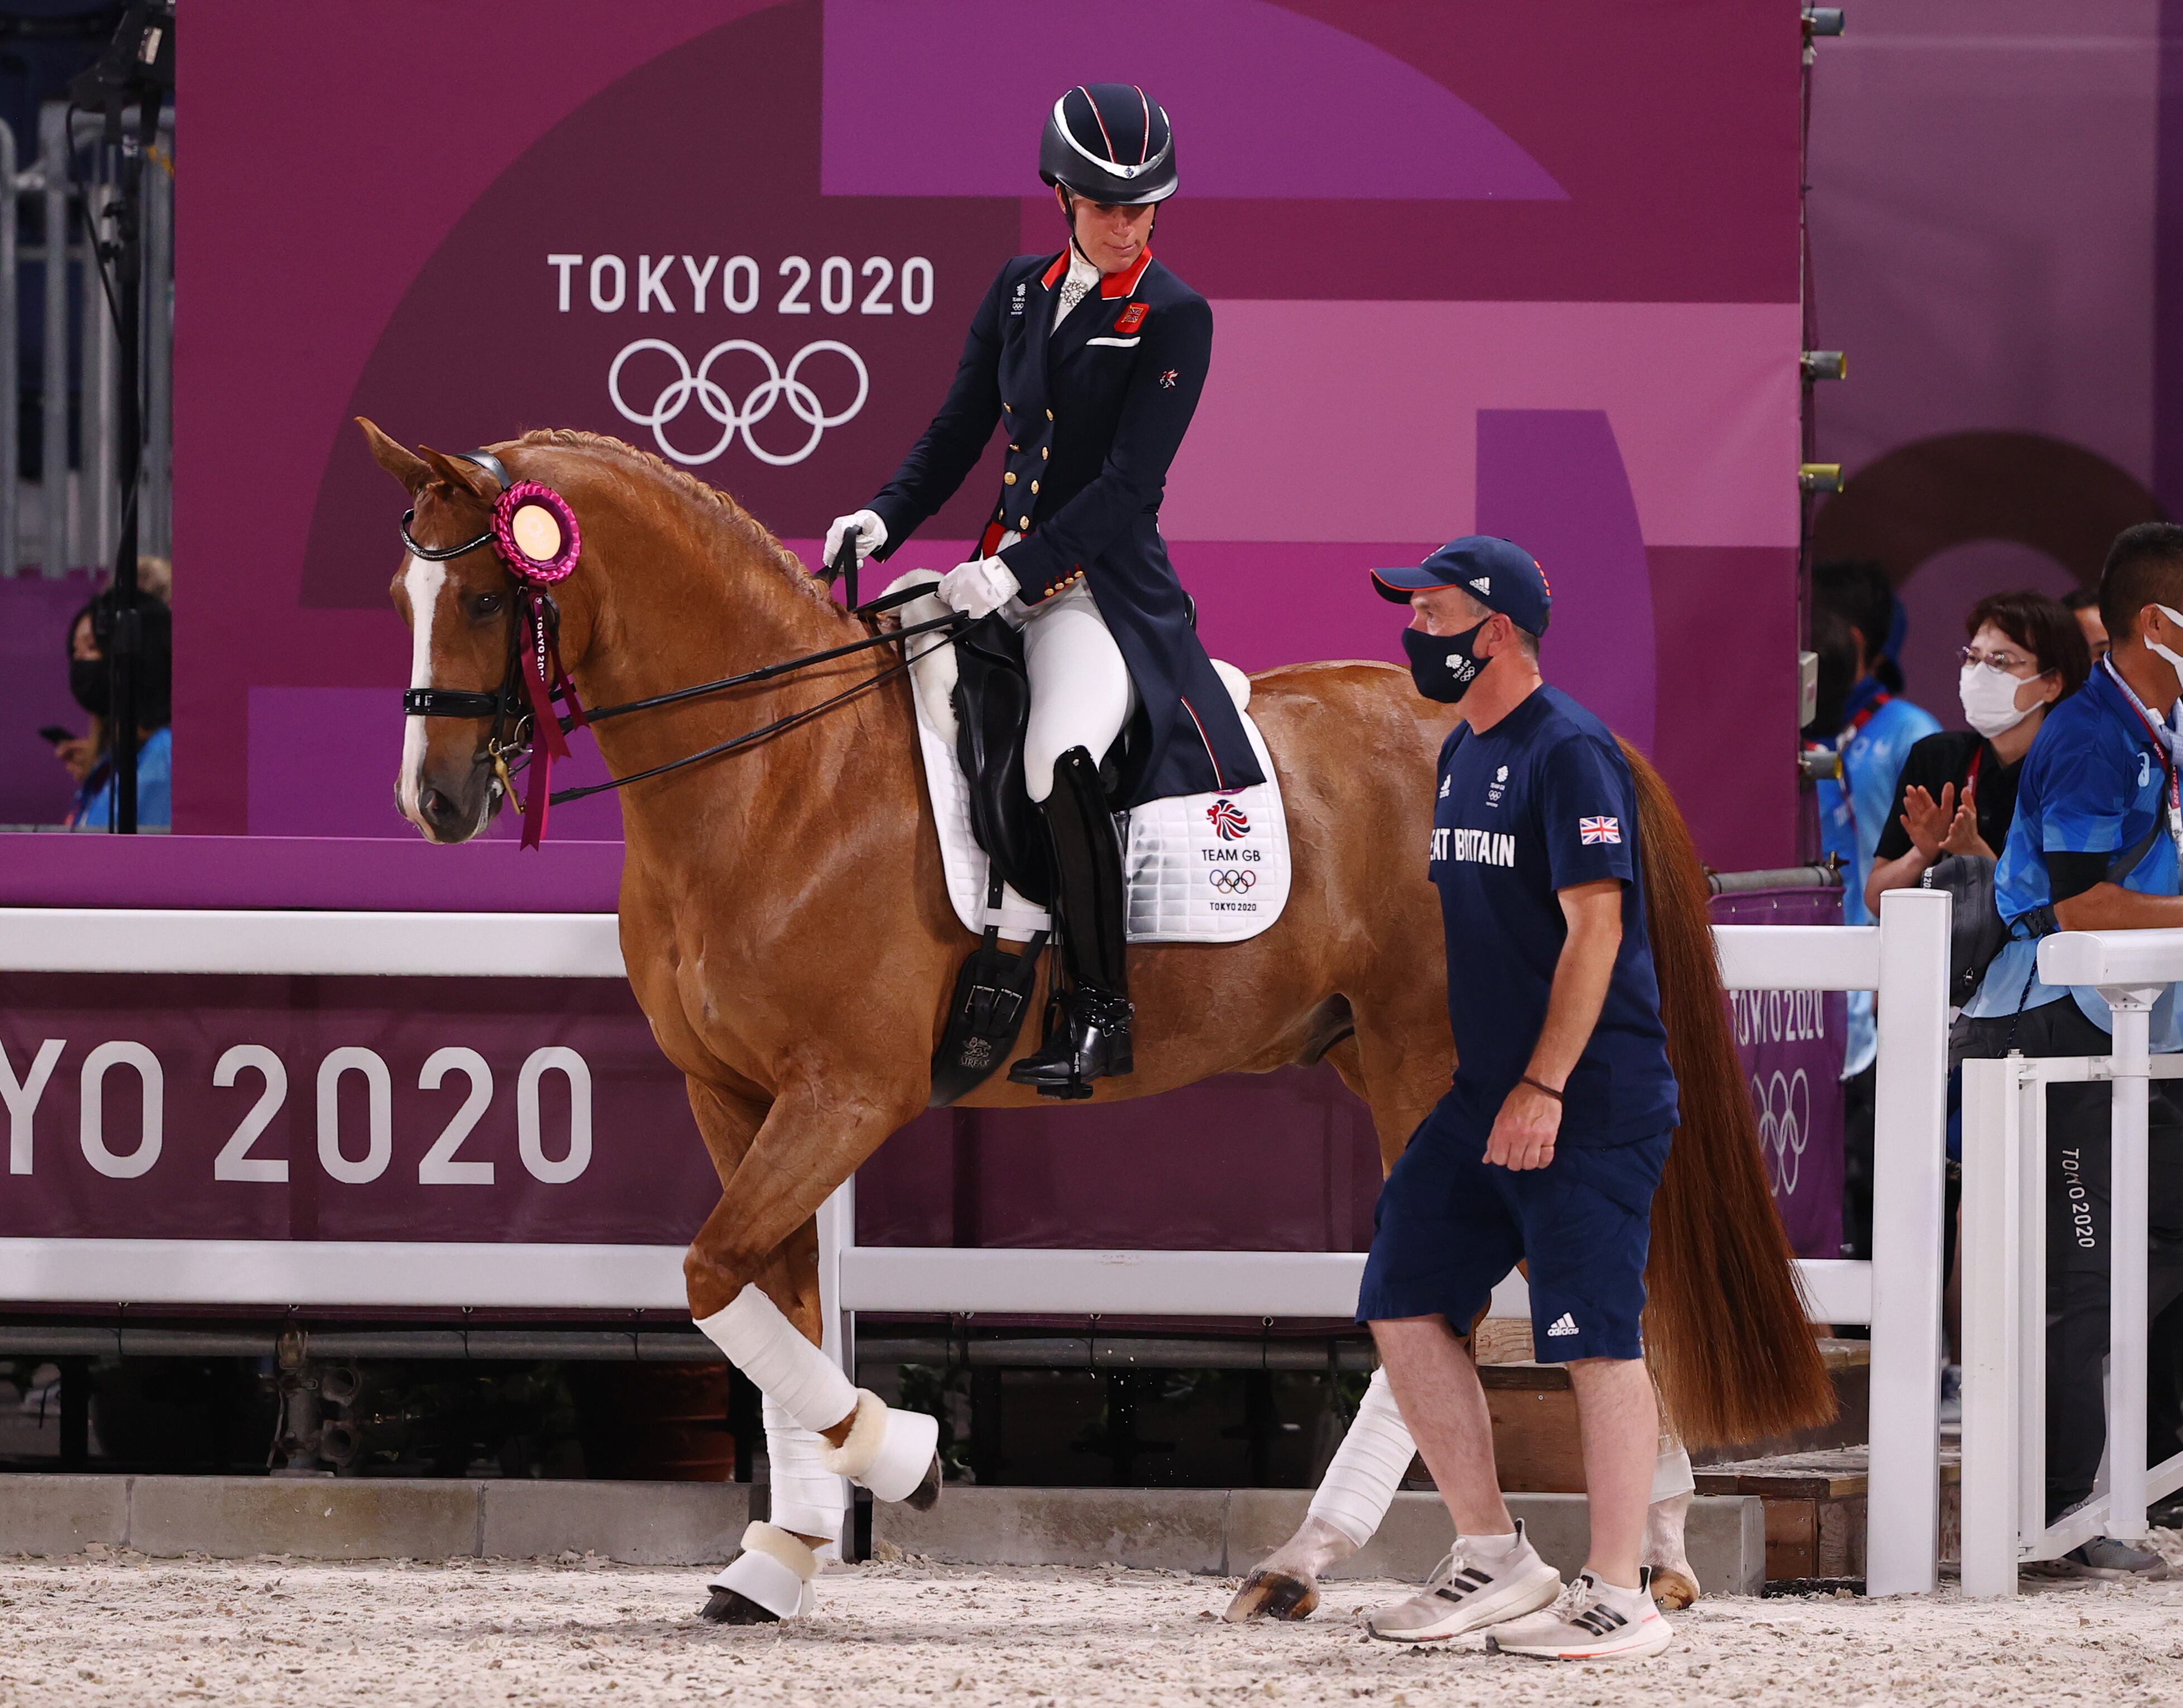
{"x":2084,"y":605}
{"x":2095,"y":846}
{"x":1957,"y":792}
{"x":90,"y":681}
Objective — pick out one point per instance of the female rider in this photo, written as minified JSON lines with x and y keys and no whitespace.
{"x":1094,"y":359}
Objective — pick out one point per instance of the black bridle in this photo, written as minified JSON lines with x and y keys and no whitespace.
{"x":522,"y":706}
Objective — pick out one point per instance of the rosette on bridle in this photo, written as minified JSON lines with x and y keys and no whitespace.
{"x":536,"y":533}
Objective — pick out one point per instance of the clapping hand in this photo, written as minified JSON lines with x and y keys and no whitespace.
{"x":1947,"y":826}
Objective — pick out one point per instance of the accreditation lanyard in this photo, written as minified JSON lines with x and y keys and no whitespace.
{"x":1842,"y":742}
{"x":2173,"y":794}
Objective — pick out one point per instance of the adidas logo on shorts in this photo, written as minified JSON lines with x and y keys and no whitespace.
{"x":1562,"y":1324}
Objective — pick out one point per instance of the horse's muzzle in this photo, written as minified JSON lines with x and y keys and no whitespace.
{"x":454,"y":812}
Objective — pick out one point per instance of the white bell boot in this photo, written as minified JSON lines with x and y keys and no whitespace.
{"x":769,"y":1581}
{"x":893,"y":1453}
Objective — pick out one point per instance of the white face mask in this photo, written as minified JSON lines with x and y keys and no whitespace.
{"x":1989,"y":700}
{"x":2152,"y":646}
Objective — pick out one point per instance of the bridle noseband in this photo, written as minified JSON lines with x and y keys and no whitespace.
{"x":522,"y":708}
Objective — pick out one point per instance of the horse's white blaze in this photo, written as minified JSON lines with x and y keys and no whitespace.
{"x":422,"y":582}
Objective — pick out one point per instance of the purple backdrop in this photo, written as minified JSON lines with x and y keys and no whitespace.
{"x":1545,"y":283}
{"x":1792,"y":1046}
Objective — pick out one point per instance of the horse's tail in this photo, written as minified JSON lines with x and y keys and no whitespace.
{"x":1724,"y":1321}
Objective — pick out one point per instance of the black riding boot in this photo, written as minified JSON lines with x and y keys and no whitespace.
{"x":1088,"y":1024}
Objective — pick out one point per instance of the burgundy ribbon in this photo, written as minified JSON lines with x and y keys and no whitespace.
{"x":548,"y":744}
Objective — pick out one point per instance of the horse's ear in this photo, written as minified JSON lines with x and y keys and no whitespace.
{"x":411,"y":470}
{"x":461,"y":476}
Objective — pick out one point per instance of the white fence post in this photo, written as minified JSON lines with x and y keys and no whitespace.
{"x":2129,"y":1186}
{"x":837,"y":1233}
{"x":1911,"y":1097}
{"x":1992,"y":1300}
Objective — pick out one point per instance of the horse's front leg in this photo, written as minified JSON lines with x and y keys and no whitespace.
{"x":753,"y":1278}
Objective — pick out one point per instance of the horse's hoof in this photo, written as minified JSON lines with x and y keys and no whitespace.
{"x":1673,"y":1589}
{"x":726,"y":1607}
{"x":1273,"y":1595}
{"x":926,"y":1495}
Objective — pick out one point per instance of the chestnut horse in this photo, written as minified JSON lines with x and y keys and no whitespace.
{"x":787,"y":929}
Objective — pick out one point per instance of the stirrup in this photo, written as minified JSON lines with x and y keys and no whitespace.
{"x":1088,"y":1039}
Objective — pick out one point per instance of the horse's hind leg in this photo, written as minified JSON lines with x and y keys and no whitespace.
{"x":1398,"y":1072}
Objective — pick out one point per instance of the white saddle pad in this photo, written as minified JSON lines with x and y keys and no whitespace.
{"x":1202,"y":869}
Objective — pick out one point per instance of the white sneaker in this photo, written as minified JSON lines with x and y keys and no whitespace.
{"x":1465,"y":1593}
{"x":1590,"y":1621}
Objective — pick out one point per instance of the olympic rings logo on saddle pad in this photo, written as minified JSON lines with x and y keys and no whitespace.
{"x":1229,"y":880}
{"x":714,"y":401}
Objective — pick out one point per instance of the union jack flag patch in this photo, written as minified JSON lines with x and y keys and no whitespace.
{"x":1599,"y":829}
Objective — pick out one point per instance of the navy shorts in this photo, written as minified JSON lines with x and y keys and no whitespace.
{"x":1450,"y":1226}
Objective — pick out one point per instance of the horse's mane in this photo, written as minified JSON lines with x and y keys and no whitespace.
{"x":727,"y":516}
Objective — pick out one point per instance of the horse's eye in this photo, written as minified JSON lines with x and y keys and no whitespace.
{"x":485,"y":604}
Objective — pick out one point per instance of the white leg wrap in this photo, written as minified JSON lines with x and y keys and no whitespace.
{"x":1671,"y":1472}
{"x":807,"y":1498}
{"x":888,"y":1450}
{"x":774,"y":1570}
{"x":766,"y":1347}
{"x":1366,"y":1467}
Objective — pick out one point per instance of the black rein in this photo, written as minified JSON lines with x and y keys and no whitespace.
{"x":506,"y":707}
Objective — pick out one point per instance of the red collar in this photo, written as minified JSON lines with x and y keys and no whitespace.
{"x":1122,"y":283}
{"x":1111,"y":285}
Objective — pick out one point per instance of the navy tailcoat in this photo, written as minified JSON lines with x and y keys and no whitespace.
{"x":1095,"y":410}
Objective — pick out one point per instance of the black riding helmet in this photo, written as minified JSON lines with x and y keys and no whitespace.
{"x":1109,"y":142}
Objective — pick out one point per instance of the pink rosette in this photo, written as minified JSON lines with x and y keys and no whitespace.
{"x":508,"y":526}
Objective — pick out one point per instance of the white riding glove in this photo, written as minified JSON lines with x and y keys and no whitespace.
{"x":865,"y":524}
{"x":978,"y":589}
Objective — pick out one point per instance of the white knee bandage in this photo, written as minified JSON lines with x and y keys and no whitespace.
{"x":807,"y":1498}
{"x":1367,"y":1468}
{"x":786,"y":1368}
{"x":1671,"y":1472}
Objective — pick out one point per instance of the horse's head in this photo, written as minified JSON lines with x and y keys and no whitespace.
{"x":459,"y":611}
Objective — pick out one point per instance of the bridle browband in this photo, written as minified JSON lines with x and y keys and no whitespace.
{"x":522,"y":707}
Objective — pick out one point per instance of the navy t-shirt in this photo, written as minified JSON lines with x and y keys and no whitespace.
{"x":1541,"y":802}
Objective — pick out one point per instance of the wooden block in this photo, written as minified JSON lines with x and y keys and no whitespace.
{"x":1792,"y":1538}
{"x":1502,"y":1341}
{"x":1535,"y":1443}
{"x":1841,"y":1537}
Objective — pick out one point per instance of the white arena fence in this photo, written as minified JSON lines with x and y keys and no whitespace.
{"x":1904,"y":958}
{"x":2004,"y":1220}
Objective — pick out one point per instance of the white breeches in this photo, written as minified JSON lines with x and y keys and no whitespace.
{"x":1080,"y":691}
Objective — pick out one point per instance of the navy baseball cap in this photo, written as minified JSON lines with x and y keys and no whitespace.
{"x":1498,"y":574}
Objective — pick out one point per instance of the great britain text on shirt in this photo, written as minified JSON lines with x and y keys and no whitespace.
{"x":1484,"y":847}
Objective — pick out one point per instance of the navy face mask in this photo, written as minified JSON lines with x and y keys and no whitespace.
{"x":1444,"y":666}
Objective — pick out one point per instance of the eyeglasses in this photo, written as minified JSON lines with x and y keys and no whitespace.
{"x":2001,"y":663}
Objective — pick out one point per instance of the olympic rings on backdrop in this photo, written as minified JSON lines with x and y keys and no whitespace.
{"x":714,"y":401}
{"x":1784,"y":1126}
{"x":1231,"y":881}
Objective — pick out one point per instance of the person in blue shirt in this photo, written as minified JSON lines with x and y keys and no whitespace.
{"x":1551,"y":1141}
{"x":1872,"y":728}
{"x":90,"y":682}
{"x":2094,"y":847}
